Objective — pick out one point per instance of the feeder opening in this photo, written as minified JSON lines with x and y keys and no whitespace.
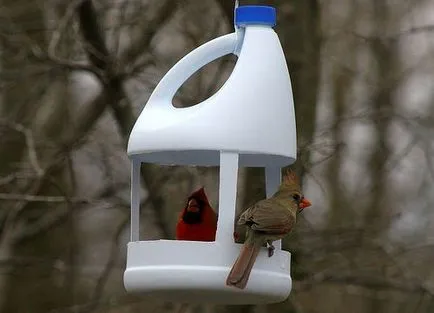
{"x":213,"y":75}
{"x":164,"y":267}
{"x":188,"y":200}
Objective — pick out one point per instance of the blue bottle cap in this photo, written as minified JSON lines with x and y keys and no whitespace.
{"x":255,"y":15}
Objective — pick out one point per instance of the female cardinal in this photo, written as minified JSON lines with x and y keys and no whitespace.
{"x":267,"y":220}
{"x":197,"y":221}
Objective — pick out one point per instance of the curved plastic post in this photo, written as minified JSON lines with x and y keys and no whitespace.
{"x":188,"y":65}
{"x":273,"y":178}
{"x":227,"y":196}
{"x":135,"y":199}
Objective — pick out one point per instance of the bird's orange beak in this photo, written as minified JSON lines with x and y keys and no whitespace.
{"x":304,"y":203}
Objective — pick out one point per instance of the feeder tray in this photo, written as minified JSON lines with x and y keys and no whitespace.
{"x":195,"y":272}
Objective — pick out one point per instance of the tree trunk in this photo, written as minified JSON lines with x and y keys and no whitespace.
{"x":385,"y":57}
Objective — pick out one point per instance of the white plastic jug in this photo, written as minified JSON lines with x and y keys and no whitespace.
{"x":252,"y":113}
{"x":249,"y":122}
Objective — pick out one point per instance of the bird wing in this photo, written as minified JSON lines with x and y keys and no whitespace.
{"x":268,"y":216}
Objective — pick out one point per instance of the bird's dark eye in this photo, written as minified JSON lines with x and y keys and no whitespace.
{"x":296,"y":197}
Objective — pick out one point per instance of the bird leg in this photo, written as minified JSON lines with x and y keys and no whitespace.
{"x":270,"y":248}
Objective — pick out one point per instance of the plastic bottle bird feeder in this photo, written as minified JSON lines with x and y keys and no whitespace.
{"x":249,"y":122}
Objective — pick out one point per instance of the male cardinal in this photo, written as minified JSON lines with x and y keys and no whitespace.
{"x":197,"y":221}
{"x":266,"y":221}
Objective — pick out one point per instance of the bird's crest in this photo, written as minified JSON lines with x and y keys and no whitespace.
{"x":290,"y":179}
{"x":199,"y":195}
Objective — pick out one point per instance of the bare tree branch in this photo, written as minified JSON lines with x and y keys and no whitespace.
{"x":49,"y":57}
{"x":96,"y":49}
{"x":38,"y":198}
{"x":362,"y":281}
{"x":86,"y":119}
{"x":102,"y":280}
{"x":63,"y":24}
{"x":131,"y":70}
{"x":31,"y":150}
{"x":116,"y":96}
{"x":68,"y":64}
{"x":397,"y":36}
{"x":148,"y":31}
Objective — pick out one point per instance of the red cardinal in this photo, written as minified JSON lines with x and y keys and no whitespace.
{"x":197,"y":221}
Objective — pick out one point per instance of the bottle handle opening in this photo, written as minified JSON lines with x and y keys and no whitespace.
{"x":188,"y":65}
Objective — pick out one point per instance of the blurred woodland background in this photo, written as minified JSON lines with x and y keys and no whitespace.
{"x":74,"y":75}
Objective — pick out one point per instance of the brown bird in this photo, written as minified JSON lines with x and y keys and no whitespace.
{"x":266,"y":221}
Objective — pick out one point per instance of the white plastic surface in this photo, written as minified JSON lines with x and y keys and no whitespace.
{"x":195,"y":272}
{"x":252,"y":113}
{"x":249,"y":122}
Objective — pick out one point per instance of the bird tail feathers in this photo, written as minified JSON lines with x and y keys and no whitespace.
{"x":240,"y":272}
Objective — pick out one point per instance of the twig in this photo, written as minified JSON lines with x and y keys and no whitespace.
{"x":183,"y":308}
{"x":150,"y":28}
{"x":70,"y":65}
{"x":122,"y":109}
{"x":117,"y":31}
{"x":60,"y":30}
{"x":95,"y":47}
{"x":407,"y":32}
{"x":102,"y":280}
{"x":367,"y":282}
{"x":31,"y":150}
{"x":37,"y":198}
{"x":132,"y":70}
{"x":105,"y":193}
{"x":86,"y":119}
{"x":7,"y":179}
{"x":49,"y":56}
{"x":393,"y":162}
